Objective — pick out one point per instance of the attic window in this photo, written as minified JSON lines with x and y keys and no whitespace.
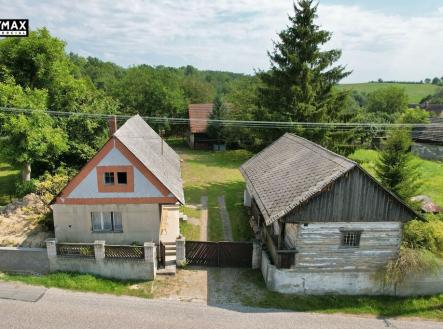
{"x":350,"y":239}
{"x":109,"y":178}
{"x":122,"y":178}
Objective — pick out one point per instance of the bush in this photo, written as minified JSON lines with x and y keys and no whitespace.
{"x":426,"y":235}
{"x":24,"y":188}
{"x":48,"y":186}
{"x":409,"y":263}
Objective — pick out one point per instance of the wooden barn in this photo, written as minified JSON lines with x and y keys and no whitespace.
{"x":317,"y":211}
{"x":198,"y":126}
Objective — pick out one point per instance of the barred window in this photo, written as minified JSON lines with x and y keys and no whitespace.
{"x":350,"y":239}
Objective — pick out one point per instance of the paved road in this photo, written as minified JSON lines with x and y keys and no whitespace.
{"x":63,"y":309}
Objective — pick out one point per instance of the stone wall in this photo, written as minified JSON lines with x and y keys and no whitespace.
{"x":293,"y":281}
{"x":24,"y":260}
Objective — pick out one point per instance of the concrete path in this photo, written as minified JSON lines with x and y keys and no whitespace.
{"x":22,"y":292}
{"x":204,"y":218}
{"x":64,"y":309}
{"x":224,"y":215}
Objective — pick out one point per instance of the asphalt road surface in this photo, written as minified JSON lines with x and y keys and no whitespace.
{"x":63,"y":309}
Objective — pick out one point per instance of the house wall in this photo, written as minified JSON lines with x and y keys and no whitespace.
{"x":141,"y":223}
{"x":319,"y":246}
{"x":428,"y":151}
{"x":354,"y":197}
{"x":88,"y":188}
{"x":170,"y":223}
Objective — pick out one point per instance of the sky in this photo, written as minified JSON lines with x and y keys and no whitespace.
{"x":388,"y":39}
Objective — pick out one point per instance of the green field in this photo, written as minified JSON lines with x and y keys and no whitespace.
{"x":431,"y":173}
{"x":415,"y":92}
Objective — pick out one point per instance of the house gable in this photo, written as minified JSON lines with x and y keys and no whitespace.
{"x":142,"y":187}
{"x":354,"y":197}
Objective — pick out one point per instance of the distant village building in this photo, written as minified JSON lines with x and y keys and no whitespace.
{"x":325,"y":222}
{"x":198,"y":125}
{"x":428,"y":141}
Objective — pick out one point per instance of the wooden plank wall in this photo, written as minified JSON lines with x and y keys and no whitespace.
{"x":319,"y":246}
{"x":353,"y":197}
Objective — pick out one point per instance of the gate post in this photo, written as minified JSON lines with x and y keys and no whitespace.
{"x":256,"y":254}
{"x":180,"y":245}
{"x":150,"y":257}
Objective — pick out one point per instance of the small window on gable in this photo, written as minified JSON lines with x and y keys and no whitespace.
{"x":122,"y":177}
{"x":109,"y":178}
{"x":350,"y":239}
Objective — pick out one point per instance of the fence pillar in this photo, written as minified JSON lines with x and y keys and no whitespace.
{"x":180,"y":245}
{"x":256,"y":254}
{"x":51,"y":248}
{"x":99,"y":249}
{"x":151,"y":256}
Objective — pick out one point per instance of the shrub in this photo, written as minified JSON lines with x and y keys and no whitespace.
{"x":409,"y":263}
{"x":24,"y":188}
{"x":48,"y":186}
{"x":426,"y":235}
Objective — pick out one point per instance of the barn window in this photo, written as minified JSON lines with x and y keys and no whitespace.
{"x":109,"y":178}
{"x":350,"y":239}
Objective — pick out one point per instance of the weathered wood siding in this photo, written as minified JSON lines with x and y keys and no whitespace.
{"x":319,"y":246}
{"x":354,"y":197}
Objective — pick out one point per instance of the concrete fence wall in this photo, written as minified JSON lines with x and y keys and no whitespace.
{"x":24,"y":260}
{"x":115,"y":268}
{"x":344,"y":283}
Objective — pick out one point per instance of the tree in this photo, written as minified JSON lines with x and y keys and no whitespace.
{"x":436,"y":81}
{"x":219,"y":111}
{"x":396,"y":169}
{"x":389,"y":100}
{"x":299,"y":85}
{"x":28,"y":138}
{"x":416,"y":115}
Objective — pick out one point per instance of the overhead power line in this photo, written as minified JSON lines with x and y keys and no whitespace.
{"x":233,"y":123}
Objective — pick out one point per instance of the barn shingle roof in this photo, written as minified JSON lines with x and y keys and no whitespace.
{"x":147,"y":146}
{"x":289,"y":172}
{"x":198,"y":117}
{"x":431,"y":134}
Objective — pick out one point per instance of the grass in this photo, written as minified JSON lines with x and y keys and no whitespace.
{"x":415,"y":92}
{"x":431,"y":173}
{"x":85,"y":282}
{"x":214,"y":174}
{"x":190,"y":231}
{"x":384,"y":306}
{"x":8,"y":177}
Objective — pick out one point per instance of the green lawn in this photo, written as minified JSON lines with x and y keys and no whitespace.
{"x":425,"y":307}
{"x":84,"y":282}
{"x":431,"y":173}
{"x":190,"y":231}
{"x":214,"y":174}
{"x":8,"y":177}
{"x":415,"y":92}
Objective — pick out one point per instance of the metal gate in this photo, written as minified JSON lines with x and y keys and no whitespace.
{"x":222,"y":254}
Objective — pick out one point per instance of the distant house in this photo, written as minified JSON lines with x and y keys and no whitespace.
{"x":129,"y":192}
{"x":428,"y":141}
{"x":198,"y":125}
{"x":325,"y":222}
{"x":436,"y":110}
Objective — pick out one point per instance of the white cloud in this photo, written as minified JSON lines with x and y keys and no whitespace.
{"x":234,"y":35}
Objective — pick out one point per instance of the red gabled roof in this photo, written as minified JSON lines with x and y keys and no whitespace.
{"x":198,"y":117}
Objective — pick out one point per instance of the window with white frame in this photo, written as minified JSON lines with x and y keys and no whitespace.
{"x":106,"y":221}
{"x":350,"y":239}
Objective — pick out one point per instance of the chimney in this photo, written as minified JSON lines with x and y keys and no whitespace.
{"x":112,"y":125}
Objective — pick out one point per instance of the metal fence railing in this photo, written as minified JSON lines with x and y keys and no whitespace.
{"x":124,"y":252}
{"x":75,"y":250}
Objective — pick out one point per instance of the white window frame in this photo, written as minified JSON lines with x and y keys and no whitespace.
{"x":102,"y":223}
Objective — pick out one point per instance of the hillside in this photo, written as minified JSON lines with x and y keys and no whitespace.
{"x":415,"y":91}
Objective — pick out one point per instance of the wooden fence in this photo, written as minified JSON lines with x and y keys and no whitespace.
{"x":75,"y":250}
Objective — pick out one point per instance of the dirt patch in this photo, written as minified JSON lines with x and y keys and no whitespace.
{"x":209,"y":285}
{"x":22,"y":223}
